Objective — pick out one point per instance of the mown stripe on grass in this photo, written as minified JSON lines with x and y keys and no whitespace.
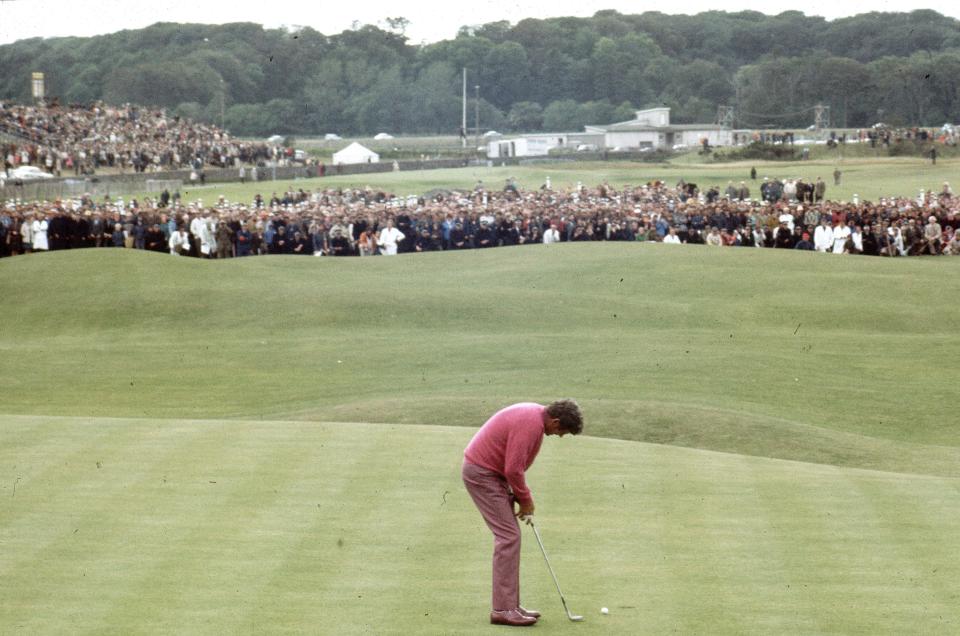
{"x":213,"y":559}
{"x":100,"y":523}
{"x":671,"y":539}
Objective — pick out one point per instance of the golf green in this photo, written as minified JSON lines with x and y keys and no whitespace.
{"x":221,"y":526}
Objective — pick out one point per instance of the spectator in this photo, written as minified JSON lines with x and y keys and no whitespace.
{"x":281,"y":242}
{"x":823,"y":236}
{"x":713,"y":238}
{"x":179,"y":243}
{"x":118,"y":238}
{"x":486,"y":237}
{"x":551,"y":235}
{"x":913,"y":237}
{"x":223,"y":238}
{"x":389,"y":239}
{"x":952,"y":247}
{"x":672,"y":237}
{"x":368,"y":242}
{"x":339,"y":244}
{"x":39,"y":240}
{"x":932,"y":233}
{"x":840,"y":235}
{"x":300,"y":245}
{"x":425,"y":242}
{"x":153,"y":239}
{"x":804,"y":243}
{"x":244,"y":241}
{"x":783,"y":239}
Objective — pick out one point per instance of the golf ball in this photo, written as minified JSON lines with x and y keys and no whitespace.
{"x":604,"y":610}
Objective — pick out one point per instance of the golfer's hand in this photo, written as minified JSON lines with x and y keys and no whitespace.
{"x":524,"y":512}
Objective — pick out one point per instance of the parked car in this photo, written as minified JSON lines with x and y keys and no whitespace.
{"x":380,"y":136}
{"x":332,"y":137}
{"x":29,"y":173}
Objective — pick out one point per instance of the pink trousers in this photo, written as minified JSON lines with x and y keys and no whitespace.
{"x":493,"y":498}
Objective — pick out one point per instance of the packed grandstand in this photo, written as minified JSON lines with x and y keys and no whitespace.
{"x":74,"y":140}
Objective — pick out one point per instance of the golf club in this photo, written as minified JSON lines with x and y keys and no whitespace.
{"x":536,"y":533}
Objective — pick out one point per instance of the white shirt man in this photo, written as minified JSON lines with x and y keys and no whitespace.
{"x":552,"y":235}
{"x":208,"y":240}
{"x":790,"y":191}
{"x":389,"y":238}
{"x":840,"y":235}
{"x":857,"y":237}
{"x":787,"y":218}
{"x":896,"y":238}
{"x":196,"y":229}
{"x":823,"y":237}
{"x":40,"y":242}
{"x":672,"y":237}
{"x":179,"y":242}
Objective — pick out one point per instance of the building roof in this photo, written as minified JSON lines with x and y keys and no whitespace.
{"x":634,"y":126}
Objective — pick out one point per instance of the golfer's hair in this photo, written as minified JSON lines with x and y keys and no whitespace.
{"x":568,"y":412}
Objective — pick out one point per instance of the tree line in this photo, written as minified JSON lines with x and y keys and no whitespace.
{"x":551,"y":74}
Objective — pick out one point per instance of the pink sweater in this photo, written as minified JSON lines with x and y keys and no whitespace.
{"x":508,"y":443}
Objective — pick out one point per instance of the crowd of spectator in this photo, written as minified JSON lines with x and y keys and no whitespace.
{"x":81,"y":140}
{"x":368,"y":222}
{"x":884,"y":135}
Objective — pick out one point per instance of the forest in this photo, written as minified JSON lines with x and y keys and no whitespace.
{"x":536,"y":75}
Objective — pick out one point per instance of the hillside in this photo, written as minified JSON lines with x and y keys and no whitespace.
{"x":553,"y":74}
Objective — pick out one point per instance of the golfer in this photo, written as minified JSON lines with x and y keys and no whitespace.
{"x":493,"y":472}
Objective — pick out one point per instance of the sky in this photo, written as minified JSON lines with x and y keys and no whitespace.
{"x":429,"y":21}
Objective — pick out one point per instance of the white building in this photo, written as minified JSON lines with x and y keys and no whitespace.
{"x":651,"y":128}
{"x":539,"y":145}
{"x":355,"y":153}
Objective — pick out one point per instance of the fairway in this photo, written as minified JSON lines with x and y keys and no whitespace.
{"x":273,"y":444}
{"x":865,"y":177}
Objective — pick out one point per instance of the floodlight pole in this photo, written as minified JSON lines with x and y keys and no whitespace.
{"x":223,"y":90}
{"x":476,"y":115}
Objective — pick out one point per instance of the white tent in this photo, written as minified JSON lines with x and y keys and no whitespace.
{"x":355,"y":153}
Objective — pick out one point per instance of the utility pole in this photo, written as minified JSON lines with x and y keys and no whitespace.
{"x":476,"y":114}
{"x":463,"y":122}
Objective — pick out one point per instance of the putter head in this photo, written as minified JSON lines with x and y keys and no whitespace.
{"x":575,"y":618}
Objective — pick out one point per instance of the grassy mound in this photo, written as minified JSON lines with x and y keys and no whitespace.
{"x":819,"y":358}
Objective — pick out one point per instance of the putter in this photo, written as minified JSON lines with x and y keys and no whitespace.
{"x":536,"y":533}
